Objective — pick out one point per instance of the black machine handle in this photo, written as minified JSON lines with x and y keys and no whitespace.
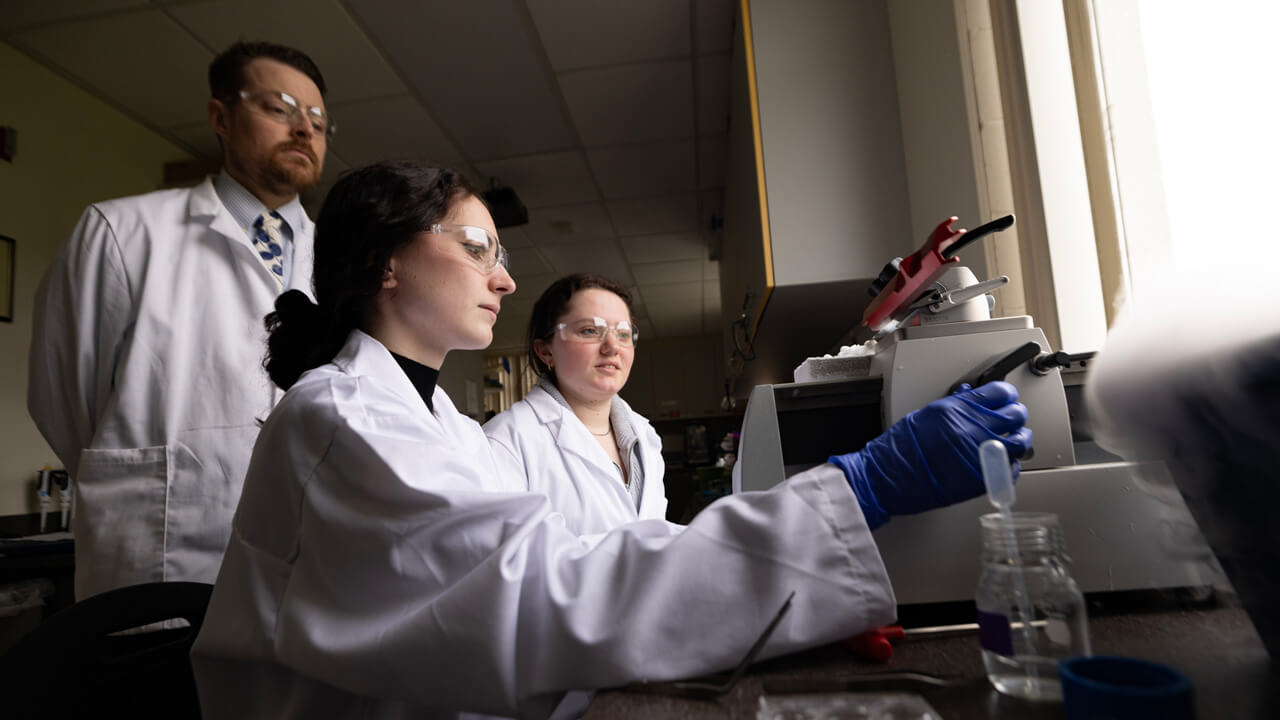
{"x":1001,"y":367}
{"x":1003,"y":223}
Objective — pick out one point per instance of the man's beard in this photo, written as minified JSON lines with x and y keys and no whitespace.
{"x":289,"y":172}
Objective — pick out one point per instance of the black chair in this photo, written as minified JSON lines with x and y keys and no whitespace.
{"x":77,"y":665}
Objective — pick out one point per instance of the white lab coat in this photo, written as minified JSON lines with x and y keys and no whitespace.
{"x":380,"y":566}
{"x":543,"y":441}
{"x":146,"y":379}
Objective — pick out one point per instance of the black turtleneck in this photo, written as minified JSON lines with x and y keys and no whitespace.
{"x":423,"y":377}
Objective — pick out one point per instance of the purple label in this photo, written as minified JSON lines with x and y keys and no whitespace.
{"x":995,"y":634}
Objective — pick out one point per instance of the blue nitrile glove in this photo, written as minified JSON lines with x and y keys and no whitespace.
{"x":929,"y":458}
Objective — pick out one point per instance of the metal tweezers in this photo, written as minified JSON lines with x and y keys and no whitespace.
{"x":711,"y":687}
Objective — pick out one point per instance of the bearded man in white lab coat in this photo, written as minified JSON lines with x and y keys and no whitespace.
{"x":145,"y":367}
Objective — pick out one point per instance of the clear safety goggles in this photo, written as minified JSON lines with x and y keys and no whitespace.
{"x":481,"y":245}
{"x":285,"y":109}
{"x":594,"y":330}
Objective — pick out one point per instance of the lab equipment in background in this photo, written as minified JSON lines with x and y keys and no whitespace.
{"x":43,"y":498}
{"x":696,"y":450}
{"x":1031,"y":613}
{"x":1129,"y":526}
{"x":728,"y":451}
{"x":47,"y":481}
{"x":66,"y":499}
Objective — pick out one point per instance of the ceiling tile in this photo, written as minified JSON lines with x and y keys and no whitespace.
{"x":365,"y":136}
{"x":711,"y":271}
{"x":350,"y":64}
{"x":480,"y":69}
{"x":680,"y":298}
{"x":527,"y":261}
{"x":711,"y":295}
{"x":652,"y":215}
{"x":199,"y":138}
{"x":661,"y":248}
{"x":676,"y":310}
{"x":645,"y":328}
{"x":514,"y":237}
{"x":600,"y":258}
{"x":631,"y":103}
{"x":713,"y":94}
{"x":710,"y":202}
{"x":713,"y":25}
{"x":541,"y":180}
{"x":663,"y":273}
{"x":711,"y":319}
{"x":90,"y":51}
{"x":647,"y":169}
{"x":528,"y":289}
{"x":569,"y":224}
{"x":712,"y":161}
{"x":25,"y":13}
{"x":586,"y":33}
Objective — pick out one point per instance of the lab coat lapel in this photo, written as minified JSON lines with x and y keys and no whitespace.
{"x":651,"y":460}
{"x":204,"y":203}
{"x":303,"y":252}
{"x":364,"y":356}
{"x":569,"y":432}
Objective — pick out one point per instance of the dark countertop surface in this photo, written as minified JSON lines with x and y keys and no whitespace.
{"x":1216,"y":648}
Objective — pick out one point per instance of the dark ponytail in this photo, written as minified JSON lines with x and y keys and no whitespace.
{"x":368,"y":215}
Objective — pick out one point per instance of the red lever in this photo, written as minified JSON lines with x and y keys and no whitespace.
{"x":915,"y":273}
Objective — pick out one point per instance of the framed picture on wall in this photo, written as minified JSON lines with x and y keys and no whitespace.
{"x":8,"y":260}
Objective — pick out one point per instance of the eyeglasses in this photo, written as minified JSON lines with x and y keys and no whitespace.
{"x":285,"y":109}
{"x":594,"y":330}
{"x":481,"y":245}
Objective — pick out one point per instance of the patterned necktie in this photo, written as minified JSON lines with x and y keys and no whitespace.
{"x":269,"y":244}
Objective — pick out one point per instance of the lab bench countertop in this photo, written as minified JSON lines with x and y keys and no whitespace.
{"x":1216,"y":648}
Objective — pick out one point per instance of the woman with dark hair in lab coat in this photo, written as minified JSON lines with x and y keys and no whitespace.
{"x":572,"y":437}
{"x":381,"y":564}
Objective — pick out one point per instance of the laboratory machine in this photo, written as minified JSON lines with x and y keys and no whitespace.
{"x":1126,"y":526}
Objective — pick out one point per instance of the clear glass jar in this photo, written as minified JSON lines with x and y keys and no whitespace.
{"x":1031,"y":613}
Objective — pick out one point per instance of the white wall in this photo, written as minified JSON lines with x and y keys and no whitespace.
{"x":72,"y":150}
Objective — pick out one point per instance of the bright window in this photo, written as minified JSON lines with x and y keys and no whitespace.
{"x":1214,"y":70}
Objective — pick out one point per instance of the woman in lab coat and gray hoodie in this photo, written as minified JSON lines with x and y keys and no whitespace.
{"x":571,"y":436}
{"x":382,"y":564}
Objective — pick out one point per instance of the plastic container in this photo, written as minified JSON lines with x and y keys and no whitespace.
{"x":1031,"y":613}
{"x":1123,"y":687}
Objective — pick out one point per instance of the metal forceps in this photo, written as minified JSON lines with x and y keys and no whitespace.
{"x":711,"y":687}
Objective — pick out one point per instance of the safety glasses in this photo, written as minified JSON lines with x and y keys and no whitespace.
{"x":481,"y":245}
{"x":285,"y":109}
{"x":594,"y":330}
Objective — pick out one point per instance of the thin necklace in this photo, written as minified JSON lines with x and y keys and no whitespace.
{"x":606,"y":432}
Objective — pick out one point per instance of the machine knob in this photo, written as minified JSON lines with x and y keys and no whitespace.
{"x":1044,"y":362}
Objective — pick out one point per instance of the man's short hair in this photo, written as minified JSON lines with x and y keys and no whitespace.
{"x":226,"y":72}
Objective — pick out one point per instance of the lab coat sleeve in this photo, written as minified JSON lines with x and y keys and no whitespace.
{"x":82,"y":313}
{"x":409,"y":584}
{"x":506,"y":450}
